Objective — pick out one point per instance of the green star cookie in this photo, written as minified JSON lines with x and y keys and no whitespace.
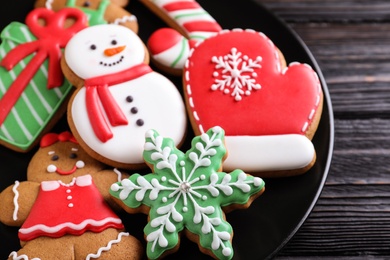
{"x":187,"y":191}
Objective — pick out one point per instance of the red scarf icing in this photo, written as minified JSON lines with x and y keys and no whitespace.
{"x":50,"y":39}
{"x":97,"y":89}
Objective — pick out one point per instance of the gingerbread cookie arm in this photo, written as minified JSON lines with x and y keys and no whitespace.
{"x":16,"y":202}
{"x":190,"y":23}
{"x":104,"y":179}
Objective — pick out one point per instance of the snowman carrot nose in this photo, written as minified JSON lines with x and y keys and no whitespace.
{"x":113,"y":51}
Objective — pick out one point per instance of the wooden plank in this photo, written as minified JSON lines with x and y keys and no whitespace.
{"x":355,"y":63}
{"x":350,"y":40}
{"x":347,"y":220}
{"x":330,"y":10}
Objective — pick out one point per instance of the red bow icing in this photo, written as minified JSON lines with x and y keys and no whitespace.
{"x":50,"y":39}
{"x":97,"y":89}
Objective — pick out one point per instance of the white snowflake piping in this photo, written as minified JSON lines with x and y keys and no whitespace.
{"x":237,"y":73}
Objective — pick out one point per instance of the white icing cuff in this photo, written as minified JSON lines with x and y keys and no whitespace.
{"x":268,"y":153}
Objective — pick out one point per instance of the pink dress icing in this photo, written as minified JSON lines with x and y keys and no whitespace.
{"x":68,"y":209}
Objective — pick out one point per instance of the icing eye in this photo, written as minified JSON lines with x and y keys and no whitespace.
{"x":73,"y":156}
{"x":92,"y":47}
{"x":87,"y":4}
{"x":114,"y":42}
{"x":55,"y":158}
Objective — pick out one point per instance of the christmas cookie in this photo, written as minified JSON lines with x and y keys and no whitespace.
{"x":33,"y":92}
{"x":270,"y":113}
{"x":187,"y":192}
{"x":119,"y":97}
{"x":98,"y":11}
{"x":169,"y":48}
{"x":63,"y":207}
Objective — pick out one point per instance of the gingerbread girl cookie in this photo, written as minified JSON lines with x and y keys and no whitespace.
{"x":270,"y":113}
{"x":187,"y":192}
{"x":63,"y":207}
{"x":119,"y":97}
{"x":33,"y":92}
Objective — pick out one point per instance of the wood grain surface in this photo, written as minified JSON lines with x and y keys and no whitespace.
{"x":351,"y":42}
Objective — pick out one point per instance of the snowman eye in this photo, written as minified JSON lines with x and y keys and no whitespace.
{"x":114,"y":42}
{"x":87,"y":4}
{"x":92,"y":47}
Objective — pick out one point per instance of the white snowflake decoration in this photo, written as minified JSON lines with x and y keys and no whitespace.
{"x":186,"y":190}
{"x":237,"y":74}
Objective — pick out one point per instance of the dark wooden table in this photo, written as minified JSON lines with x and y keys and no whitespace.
{"x":350,"y":39}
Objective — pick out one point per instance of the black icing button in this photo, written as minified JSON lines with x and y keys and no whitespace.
{"x":129,"y":99}
{"x":140,"y":122}
{"x":134,"y":110}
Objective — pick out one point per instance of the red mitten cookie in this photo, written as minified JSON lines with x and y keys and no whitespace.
{"x":63,"y":207}
{"x":235,"y":80}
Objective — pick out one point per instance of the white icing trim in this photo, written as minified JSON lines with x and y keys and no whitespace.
{"x":83,"y":181}
{"x":124,"y":19}
{"x":118,"y":173}
{"x":80,"y":226}
{"x":268,"y":153}
{"x":50,"y":185}
{"x":49,"y":4}
{"x":15,"y":256}
{"x":108,"y":247}
{"x":16,"y":209}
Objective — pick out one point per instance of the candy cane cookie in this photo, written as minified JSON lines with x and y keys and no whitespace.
{"x":190,"y":22}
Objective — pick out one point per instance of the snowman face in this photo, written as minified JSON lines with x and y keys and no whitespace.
{"x":103,"y":49}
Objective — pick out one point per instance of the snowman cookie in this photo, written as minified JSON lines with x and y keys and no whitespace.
{"x":270,"y":113}
{"x":187,"y":192}
{"x":97,"y":11}
{"x":119,"y":97}
{"x":63,"y":209}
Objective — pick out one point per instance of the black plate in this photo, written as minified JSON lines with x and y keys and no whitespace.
{"x":263,"y":229}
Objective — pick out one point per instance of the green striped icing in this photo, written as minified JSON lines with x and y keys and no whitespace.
{"x":37,"y":105}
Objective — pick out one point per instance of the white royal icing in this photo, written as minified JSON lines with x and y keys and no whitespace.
{"x":179,"y":51}
{"x":85,"y":62}
{"x":160,"y":106}
{"x":158,"y":101}
{"x":15,"y":256}
{"x":268,"y":153}
{"x":108,"y":247}
{"x":16,"y":205}
{"x":80,"y":226}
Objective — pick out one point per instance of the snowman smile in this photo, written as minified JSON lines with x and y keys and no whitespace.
{"x":109,"y":64}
